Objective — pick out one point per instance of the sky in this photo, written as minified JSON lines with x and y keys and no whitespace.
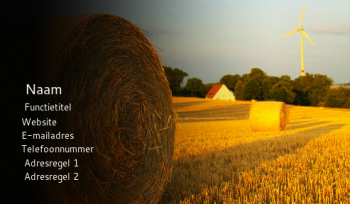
{"x":209,"y":39}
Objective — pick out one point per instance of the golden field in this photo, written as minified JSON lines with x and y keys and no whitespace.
{"x":219,"y":159}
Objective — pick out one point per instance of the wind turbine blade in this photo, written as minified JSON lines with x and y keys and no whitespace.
{"x":302,"y":15}
{"x":290,"y":33}
{"x":304,"y":33}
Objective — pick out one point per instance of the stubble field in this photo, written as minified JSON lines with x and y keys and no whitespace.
{"x":219,"y":159}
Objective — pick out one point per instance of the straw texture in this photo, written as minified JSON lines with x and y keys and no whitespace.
{"x":121,"y":106}
{"x":287,"y":115}
{"x":268,"y":116}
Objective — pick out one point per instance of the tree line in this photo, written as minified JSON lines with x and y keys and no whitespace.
{"x":308,"y":90}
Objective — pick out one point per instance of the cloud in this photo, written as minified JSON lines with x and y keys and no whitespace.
{"x":339,"y":29}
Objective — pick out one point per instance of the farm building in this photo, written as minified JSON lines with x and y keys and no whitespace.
{"x":220,"y":92}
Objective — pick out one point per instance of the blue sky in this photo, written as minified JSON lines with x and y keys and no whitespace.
{"x":209,"y":39}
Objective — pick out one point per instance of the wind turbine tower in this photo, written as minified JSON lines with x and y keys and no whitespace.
{"x":302,"y":32}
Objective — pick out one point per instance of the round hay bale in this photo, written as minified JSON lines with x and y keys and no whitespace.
{"x":121,"y":105}
{"x":287,"y":115}
{"x":268,"y":116}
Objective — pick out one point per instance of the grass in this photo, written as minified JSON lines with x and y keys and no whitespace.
{"x":219,"y":159}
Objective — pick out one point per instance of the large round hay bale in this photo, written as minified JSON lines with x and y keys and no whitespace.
{"x":268,"y":116}
{"x":287,"y":115}
{"x":121,"y":106}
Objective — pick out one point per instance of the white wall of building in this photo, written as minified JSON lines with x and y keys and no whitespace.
{"x":224,"y":94}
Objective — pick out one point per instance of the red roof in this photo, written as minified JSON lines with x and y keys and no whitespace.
{"x":213,"y":91}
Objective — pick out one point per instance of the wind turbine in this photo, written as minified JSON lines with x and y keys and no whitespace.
{"x":302,"y":32}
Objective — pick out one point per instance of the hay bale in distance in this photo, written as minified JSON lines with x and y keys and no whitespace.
{"x":121,"y":106}
{"x":268,"y":116}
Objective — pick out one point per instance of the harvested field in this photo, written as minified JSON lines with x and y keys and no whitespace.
{"x":195,"y":109}
{"x":219,"y":159}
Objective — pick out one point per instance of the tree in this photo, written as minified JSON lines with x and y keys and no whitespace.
{"x":338,"y":98}
{"x":266,"y":85}
{"x":301,"y":98}
{"x":314,"y":87}
{"x":347,"y":104}
{"x":245,"y":77}
{"x":175,"y":78}
{"x":252,"y":90}
{"x":239,"y":90}
{"x":282,"y":91}
{"x":256,"y":85}
{"x":319,"y":88}
{"x":206,"y":88}
{"x":195,"y":86}
{"x":230,"y":81}
{"x":301,"y":87}
{"x":256,"y":72}
{"x":285,"y":78}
